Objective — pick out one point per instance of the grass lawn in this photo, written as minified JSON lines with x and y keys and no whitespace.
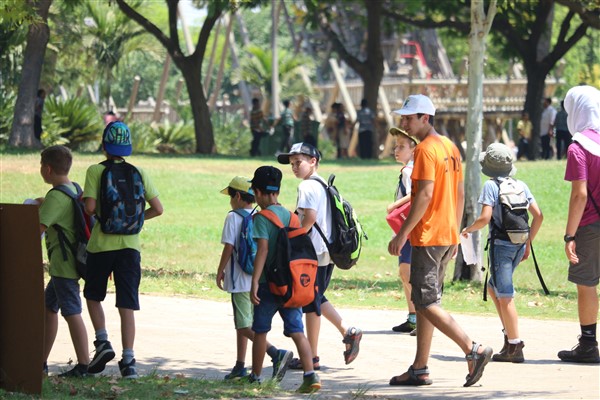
{"x":181,"y":249}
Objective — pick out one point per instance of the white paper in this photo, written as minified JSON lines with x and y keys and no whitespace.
{"x":468,"y":249}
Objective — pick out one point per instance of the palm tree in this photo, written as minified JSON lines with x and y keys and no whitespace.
{"x":110,"y":36}
{"x":255,"y":69}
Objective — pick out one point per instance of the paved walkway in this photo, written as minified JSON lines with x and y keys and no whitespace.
{"x":196,"y":338}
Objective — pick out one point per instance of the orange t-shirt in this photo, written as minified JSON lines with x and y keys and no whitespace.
{"x":437,"y":159}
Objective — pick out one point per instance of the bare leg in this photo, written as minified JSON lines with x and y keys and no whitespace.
{"x":51,"y":320}
{"x":492,"y":296}
{"x":79,"y":338}
{"x":242,"y":344}
{"x":127,"y":327}
{"x":259,"y":347}
{"x":313,"y":327}
{"x":96,"y":314}
{"x":304,"y":350}
{"x":509,"y":317}
{"x":587,"y":304}
{"x":404,"y":272}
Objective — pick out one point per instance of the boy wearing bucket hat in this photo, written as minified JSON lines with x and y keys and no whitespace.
{"x":231,"y":278}
{"x":116,"y":254}
{"x":497,"y":163}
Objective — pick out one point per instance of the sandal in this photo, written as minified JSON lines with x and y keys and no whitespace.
{"x":297,"y":364}
{"x":479,"y":362}
{"x":413,"y":378}
{"x":352,"y":338}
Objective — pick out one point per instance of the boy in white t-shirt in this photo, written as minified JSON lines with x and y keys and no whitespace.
{"x":231,"y":278}
{"x":313,"y":208}
{"x":403,"y":153}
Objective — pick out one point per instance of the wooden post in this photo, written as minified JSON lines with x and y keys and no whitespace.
{"x":236,"y":64}
{"x":275,"y":59}
{"x":91,"y":94}
{"x":314,"y":104}
{"x":213,"y":99}
{"x":348,"y":104}
{"x":387,"y":113}
{"x":161,"y":89}
{"x":133,"y":96}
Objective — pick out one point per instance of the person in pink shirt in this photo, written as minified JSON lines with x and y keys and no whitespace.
{"x":582,"y":234}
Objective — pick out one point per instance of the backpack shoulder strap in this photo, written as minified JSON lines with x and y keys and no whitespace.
{"x":272,"y":217}
{"x":65,"y":189}
{"x":241,"y":212}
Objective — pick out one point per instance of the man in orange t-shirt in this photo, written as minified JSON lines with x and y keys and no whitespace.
{"x":433,"y":223}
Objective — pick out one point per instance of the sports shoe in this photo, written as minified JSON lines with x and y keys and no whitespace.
{"x":413,"y":332}
{"x":310,"y":384}
{"x":352,"y":338}
{"x":405,"y":327}
{"x":583,"y":352}
{"x":78,"y":371}
{"x":281,"y":363}
{"x":236,"y":373}
{"x":513,"y":353}
{"x":128,"y":371}
{"x":251,"y":378}
{"x":104,"y":353}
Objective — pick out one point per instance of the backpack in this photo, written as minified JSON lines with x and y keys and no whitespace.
{"x":346,"y":232}
{"x":292,"y":275}
{"x":83,"y":229}
{"x":122,"y":199}
{"x":515,"y":218}
{"x":246,"y":245}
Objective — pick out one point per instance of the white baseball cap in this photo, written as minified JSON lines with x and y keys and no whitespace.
{"x":416,"y":104}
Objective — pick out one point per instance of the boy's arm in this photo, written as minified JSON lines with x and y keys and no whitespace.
{"x":309,"y":219}
{"x":483,"y":219}
{"x":90,"y":206}
{"x":262,"y":248}
{"x":155,"y":210}
{"x":225,"y":257}
{"x":536,"y":223}
{"x":577,"y":203}
{"x":398,"y":203}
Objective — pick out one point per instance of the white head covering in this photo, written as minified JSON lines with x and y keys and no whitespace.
{"x":582,"y":105}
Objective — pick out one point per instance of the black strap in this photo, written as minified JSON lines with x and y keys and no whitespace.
{"x":538,"y":272}
{"x":314,"y":178}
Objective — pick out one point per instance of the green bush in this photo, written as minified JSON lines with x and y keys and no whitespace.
{"x":231,"y":136}
{"x":174,"y":138}
{"x":75,"y":123}
{"x":7,"y":109}
{"x":142,"y":137}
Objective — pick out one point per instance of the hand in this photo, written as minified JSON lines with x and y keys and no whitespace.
{"x":527,"y":251}
{"x":390,"y":208}
{"x":396,"y":244}
{"x":571,"y":253}
{"x":254,"y":293}
{"x":464,"y":233}
{"x":220,"y":279}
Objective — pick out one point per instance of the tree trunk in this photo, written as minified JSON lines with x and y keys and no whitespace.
{"x":536,"y":84}
{"x":480,"y":25}
{"x":21,"y":134}
{"x":202,"y":125}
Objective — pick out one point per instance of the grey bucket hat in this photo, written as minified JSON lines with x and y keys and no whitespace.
{"x":497,"y":161}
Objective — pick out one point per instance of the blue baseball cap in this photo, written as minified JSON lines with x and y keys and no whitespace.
{"x":117,"y":139}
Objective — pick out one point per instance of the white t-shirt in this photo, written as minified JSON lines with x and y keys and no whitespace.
{"x":547,"y":119}
{"x":235,"y":280}
{"x":312,"y":195}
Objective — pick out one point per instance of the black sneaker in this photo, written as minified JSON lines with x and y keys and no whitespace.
{"x":405,"y":327}
{"x":128,"y":371}
{"x":104,"y":353}
{"x":281,"y":363}
{"x":78,"y":371}
{"x":583,"y":352}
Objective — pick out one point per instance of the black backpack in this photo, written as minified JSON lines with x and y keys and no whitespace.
{"x":514,"y":226}
{"x":83,"y":229}
{"x":292,"y":275}
{"x":346,"y":231}
{"x":122,"y":199}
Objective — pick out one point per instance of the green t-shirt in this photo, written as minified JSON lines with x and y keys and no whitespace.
{"x":287,"y":118}
{"x":264,"y":229}
{"x":57,"y":208}
{"x":100,"y":241}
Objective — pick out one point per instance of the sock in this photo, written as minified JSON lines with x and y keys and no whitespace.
{"x":308,"y":374}
{"x":514,"y":341}
{"x":588,"y":333}
{"x":272,"y":352}
{"x":102,"y":334}
{"x":239,"y":364}
{"x":127,"y":356}
{"x":412,"y":318}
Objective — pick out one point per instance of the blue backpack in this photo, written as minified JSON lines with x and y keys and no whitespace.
{"x":122,"y":199}
{"x":245,"y":251}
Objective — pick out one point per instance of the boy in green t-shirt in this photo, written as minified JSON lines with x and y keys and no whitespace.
{"x":116,"y":254}
{"x":62,"y":291}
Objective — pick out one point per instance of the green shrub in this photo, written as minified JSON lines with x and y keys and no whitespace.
{"x":75,"y":123}
{"x":231,"y":136}
{"x":174,"y":138}
{"x":142,"y":137}
{"x":7,"y":109}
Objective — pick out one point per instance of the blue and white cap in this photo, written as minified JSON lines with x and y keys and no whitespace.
{"x":117,"y":139}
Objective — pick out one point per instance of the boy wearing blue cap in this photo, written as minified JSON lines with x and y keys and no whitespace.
{"x":116,"y":253}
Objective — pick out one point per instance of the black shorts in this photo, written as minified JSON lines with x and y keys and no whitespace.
{"x":323,"y":278}
{"x":125,"y":266}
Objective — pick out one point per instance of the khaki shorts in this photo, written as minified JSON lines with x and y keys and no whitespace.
{"x":427,"y":271}
{"x":587,"y":247}
{"x":243,"y":311}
